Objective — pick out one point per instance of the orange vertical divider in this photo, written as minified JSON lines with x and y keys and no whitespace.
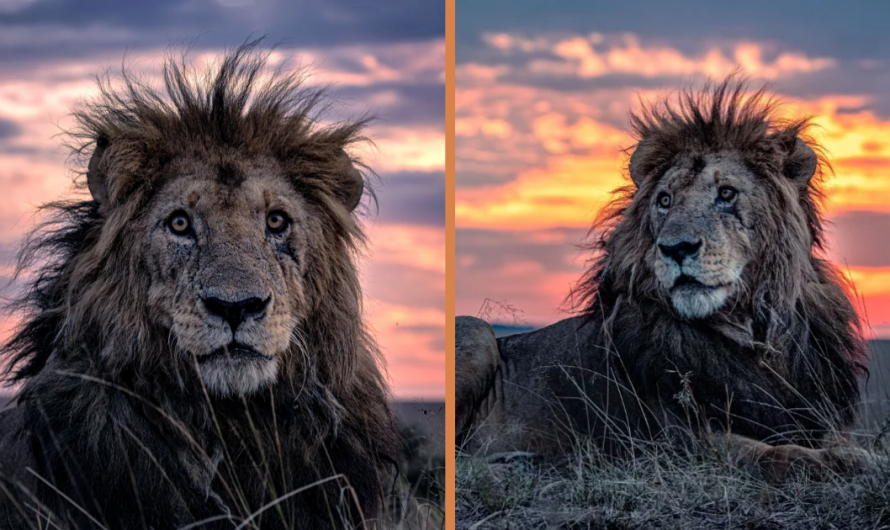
{"x":449,"y":265}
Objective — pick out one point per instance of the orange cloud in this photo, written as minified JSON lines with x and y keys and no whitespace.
{"x":566,"y":192}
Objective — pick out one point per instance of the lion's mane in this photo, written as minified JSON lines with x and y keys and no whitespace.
{"x":800,"y":337}
{"x":112,"y":417}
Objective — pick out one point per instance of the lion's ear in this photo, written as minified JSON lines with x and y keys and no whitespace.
{"x":97,"y":180}
{"x":350,"y":183}
{"x":639,"y":166}
{"x":801,"y":163}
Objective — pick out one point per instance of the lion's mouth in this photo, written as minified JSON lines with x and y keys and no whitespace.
{"x":688,"y":283}
{"x":234,"y":351}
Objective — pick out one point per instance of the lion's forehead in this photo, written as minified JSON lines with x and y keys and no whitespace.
{"x":232,"y":181}
{"x":697,"y":172}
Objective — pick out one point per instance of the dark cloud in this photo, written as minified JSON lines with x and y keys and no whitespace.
{"x":504,"y":330}
{"x":84,"y":13}
{"x":436,"y":345}
{"x":555,"y":249}
{"x":89,"y":26}
{"x":818,"y":28}
{"x":482,"y":161}
{"x":586,"y":85}
{"x":854,"y":37}
{"x":855,"y":78}
{"x":420,"y":328}
{"x":412,"y":103}
{"x":412,"y":197}
{"x":861,"y":239}
{"x":9,"y":129}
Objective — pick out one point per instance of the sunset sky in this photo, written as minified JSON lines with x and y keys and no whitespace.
{"x":386,"y":57}
{"x":543,"y":96}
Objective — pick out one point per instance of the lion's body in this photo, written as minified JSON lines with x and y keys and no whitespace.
{"x":563,"y":384}
{"x":708,"y":308}
{"x":193,"y":344}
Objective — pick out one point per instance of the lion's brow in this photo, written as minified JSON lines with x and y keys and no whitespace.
{"x":230,"y":175}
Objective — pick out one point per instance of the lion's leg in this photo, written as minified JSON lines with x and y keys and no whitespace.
{"x":776,"y":462}
{"x":476,"y":361}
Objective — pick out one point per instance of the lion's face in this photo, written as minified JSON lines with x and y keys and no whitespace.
{"x":226,"y":252}
{"x":702,"y":214}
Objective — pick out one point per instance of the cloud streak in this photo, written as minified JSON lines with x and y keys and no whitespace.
{"x":597,"y":55}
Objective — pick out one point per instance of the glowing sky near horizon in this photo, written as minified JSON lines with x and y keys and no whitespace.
{"x":541,"y":127}
{"x":396,"y":72}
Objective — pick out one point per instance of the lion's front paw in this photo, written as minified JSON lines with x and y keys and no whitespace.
{"x":781,"y":461}
{"x":850,"y":459}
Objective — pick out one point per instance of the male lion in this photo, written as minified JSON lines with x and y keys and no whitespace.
{"x":707,"y":307}
{"x":193,"y":347}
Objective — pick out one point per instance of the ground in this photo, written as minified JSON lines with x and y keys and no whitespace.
{"x":657,"y":491}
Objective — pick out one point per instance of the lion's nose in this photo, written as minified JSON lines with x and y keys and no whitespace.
{"x":678,"y":250}
{"x":237,"y":311}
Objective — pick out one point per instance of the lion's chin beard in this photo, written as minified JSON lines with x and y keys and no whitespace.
{"x":232,"y":372}
{"x":693,"y":299}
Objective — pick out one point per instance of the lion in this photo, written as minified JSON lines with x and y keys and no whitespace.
{"x":707,"y":312}
{"x":193,"y":349}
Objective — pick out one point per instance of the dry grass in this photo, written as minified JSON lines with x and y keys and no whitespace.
{"x":664,"y":490}
{"x":414,"y":501}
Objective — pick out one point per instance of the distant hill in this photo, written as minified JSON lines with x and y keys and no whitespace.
{"x":876,"y":389}
{"x":502,"y":330}
{"x":428,"y":416}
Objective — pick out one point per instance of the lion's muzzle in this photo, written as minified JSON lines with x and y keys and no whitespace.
{"x":239,"y":358}
{"x":686,"y":270}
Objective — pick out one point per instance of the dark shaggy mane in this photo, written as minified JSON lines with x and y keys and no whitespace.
{"x":47,"y":251}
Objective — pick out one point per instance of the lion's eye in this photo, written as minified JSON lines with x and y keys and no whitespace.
{"x":277,"y":222}
{"x":664,"y":200}
{"x":726,"y":193}
{"x":179,"y":223}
